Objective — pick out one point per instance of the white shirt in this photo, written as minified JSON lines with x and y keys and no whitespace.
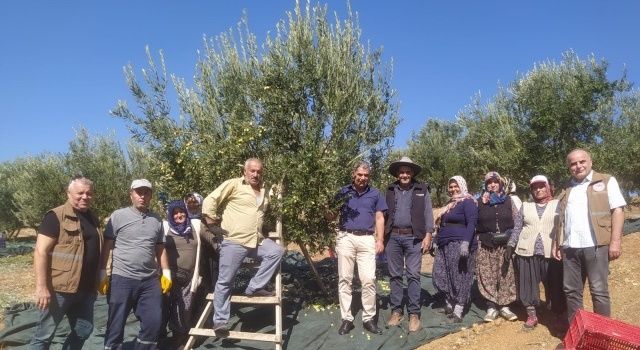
{"x":577,"y":228}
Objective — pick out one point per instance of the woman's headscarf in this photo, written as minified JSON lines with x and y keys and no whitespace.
{"x":543,"y":179}
{"x":182,"y":229}
{"x":493,"y":198}
{"x":198,"y":198}
{"x":457,"y":198}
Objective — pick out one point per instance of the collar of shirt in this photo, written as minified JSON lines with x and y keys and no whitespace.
{"x":353,"y":189}
{"x":587,"y":179}
{"x":141,"y":214}
{"x":398,"y":187}
{"x":244,"y":182}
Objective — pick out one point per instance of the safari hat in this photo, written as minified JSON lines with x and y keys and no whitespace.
{"x":404,"y":161}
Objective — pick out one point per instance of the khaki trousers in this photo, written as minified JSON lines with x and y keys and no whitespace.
{"x":361,"y":250}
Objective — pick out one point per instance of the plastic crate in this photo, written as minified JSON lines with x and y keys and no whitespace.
{"x":593,"y":331}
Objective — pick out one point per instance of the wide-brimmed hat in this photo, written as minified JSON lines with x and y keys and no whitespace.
{"x":404,"y":161}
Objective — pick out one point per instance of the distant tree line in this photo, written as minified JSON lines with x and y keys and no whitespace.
{"x":530,"y":126}
{"x":30,"y":186}
{"x":312,"y":100}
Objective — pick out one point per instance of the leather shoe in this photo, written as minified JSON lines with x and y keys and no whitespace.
{"x":345,"y":327}
{"x":221,"y":328}
{"x":261,"y":293}
{"x":372,"y":327}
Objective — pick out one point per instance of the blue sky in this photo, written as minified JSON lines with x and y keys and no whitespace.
{"x":61,"y":62}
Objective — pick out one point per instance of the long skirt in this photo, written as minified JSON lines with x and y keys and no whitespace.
{"x":535,"y":269}
{"x":496,"y":279}
{"x":180,"y":308}
{"x":453,"y":276}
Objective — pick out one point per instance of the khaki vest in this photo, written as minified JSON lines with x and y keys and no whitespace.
{"x":599,"y":211}
{"x":66,"y":256}
{"x":533,"y":226}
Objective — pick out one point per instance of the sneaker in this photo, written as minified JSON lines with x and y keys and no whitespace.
{"x":395,"y":319}
{"x":491,"y":315}
{"x":507,"y":314}
{"x":531,"y":323}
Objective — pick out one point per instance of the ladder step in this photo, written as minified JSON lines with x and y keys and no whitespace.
{"x":235,"y":335}
{"x":243,"y":299}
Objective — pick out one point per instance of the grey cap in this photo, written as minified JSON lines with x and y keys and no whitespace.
{"x":141,"y":183}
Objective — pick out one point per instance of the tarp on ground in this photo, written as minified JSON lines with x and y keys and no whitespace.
{"x":308,"y":323}
{"x":17,"y":248}
{"x":631,"y":226}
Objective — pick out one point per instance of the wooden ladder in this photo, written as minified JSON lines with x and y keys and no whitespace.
{"x":276,"y":338}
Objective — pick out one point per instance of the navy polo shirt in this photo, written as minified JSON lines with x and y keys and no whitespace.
{"x":358,"y":212}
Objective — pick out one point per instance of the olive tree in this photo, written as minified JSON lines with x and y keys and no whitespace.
{"x":436,"y":147}
{"x":310,"y":101}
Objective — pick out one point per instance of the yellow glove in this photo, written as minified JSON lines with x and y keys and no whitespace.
{"x":165,"y":281}
{"x":103,"y":287}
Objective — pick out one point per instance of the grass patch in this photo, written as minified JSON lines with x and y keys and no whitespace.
{"x":17,"y":280}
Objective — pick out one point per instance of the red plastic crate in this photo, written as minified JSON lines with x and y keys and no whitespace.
{"x":597,"y":332}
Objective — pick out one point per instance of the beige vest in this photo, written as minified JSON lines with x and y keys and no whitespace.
{"x":533,"y":226}
{"x":599,"y":212}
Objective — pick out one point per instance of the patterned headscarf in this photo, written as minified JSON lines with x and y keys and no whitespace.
{"x":198,"y":198}
{"x":182,"y":229}
{"x":493,"y":198}
{"x":457,"y":198}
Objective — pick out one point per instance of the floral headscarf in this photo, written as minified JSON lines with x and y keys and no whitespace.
{"x":182,"y":229}
{"x":457,"y":198}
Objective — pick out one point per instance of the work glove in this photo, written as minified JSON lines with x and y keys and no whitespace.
{"x":464,"y":249}
{"x":103,"y":287}
{"x":508,"y":252}
{"x":165,"y":281}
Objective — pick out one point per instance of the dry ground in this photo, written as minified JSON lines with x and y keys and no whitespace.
{"x":17,"y":285}
{"x":624,"y":287}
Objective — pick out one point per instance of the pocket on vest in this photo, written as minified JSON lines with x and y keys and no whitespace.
{"x":604,"y":222}
{"x":72,"y":231}
{"x":63,"y":257}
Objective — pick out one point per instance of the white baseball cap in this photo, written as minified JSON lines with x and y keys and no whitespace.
{"x":141,"y":183}
{"x":538,"y":178}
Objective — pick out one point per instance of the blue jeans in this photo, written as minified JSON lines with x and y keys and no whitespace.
{"x":145,"y":298}
{"x":78,"y":307}
{"x":401,"y":251}
{"x":231,"y":257}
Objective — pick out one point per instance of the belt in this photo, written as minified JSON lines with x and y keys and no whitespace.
{"x":359,"y":232}
{"x":402,"y":231}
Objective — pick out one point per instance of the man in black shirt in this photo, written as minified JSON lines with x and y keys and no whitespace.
{"x":66,"y":266}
